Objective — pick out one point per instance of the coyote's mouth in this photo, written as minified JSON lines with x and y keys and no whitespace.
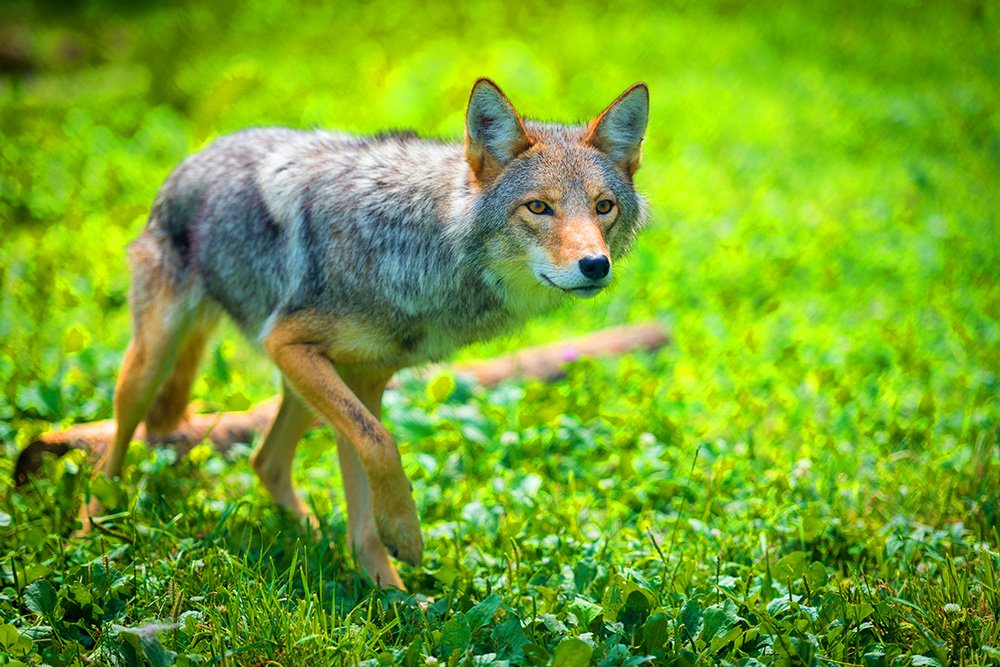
{"x":584,"y":291}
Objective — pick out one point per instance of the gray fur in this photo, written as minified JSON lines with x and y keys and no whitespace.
{"x":394,"y":229}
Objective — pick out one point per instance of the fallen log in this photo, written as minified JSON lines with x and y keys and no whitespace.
{"x":225,"y":429}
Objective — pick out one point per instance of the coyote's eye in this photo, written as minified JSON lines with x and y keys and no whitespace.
{"x":539,"y":207}
{"x":604,"y":206}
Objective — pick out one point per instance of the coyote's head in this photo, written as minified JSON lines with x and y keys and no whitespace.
{"x":556,"y":202}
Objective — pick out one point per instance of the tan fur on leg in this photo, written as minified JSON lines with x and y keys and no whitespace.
{"x":272,"y":460}
{"x":310,"y":372}
{"x":162,"y":322}
{"x":170,"y":408}
{"x":138,"y":381}
{"x":369,"y":552}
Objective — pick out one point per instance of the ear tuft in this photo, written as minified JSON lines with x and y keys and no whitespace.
{"x":494,"y":133}
{"x":619,"y":130}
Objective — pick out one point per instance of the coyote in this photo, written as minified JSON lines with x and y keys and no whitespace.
{"x":348,"y":258}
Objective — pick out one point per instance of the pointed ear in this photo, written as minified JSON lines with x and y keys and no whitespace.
{"x":618,"y":131}
{"x":494,"y":133}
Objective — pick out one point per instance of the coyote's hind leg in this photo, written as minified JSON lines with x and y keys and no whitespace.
{"x":166,"y":317}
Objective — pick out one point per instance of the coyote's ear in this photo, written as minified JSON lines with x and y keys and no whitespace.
{"x":618,"y":131}
{"x":494,"y":134}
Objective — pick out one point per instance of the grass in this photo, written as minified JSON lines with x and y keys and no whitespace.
{"x":807,"y":475}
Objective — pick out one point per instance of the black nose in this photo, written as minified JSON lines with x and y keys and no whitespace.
{"x":595,"y":267}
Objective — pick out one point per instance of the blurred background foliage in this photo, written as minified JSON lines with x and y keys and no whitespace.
{"x":824,"y":182}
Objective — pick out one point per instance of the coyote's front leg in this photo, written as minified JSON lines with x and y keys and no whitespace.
{"x":310,"y":372}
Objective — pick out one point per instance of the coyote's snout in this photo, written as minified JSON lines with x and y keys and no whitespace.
{"x":348,"y":258}
{"x":579,"y":263}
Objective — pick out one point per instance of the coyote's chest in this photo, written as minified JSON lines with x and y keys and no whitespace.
{"x":395,"y":338}
{"x":434,"y":338}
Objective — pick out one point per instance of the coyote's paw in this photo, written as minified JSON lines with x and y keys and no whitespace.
{"x":397,"y":524}
{"x":370,"y":555}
